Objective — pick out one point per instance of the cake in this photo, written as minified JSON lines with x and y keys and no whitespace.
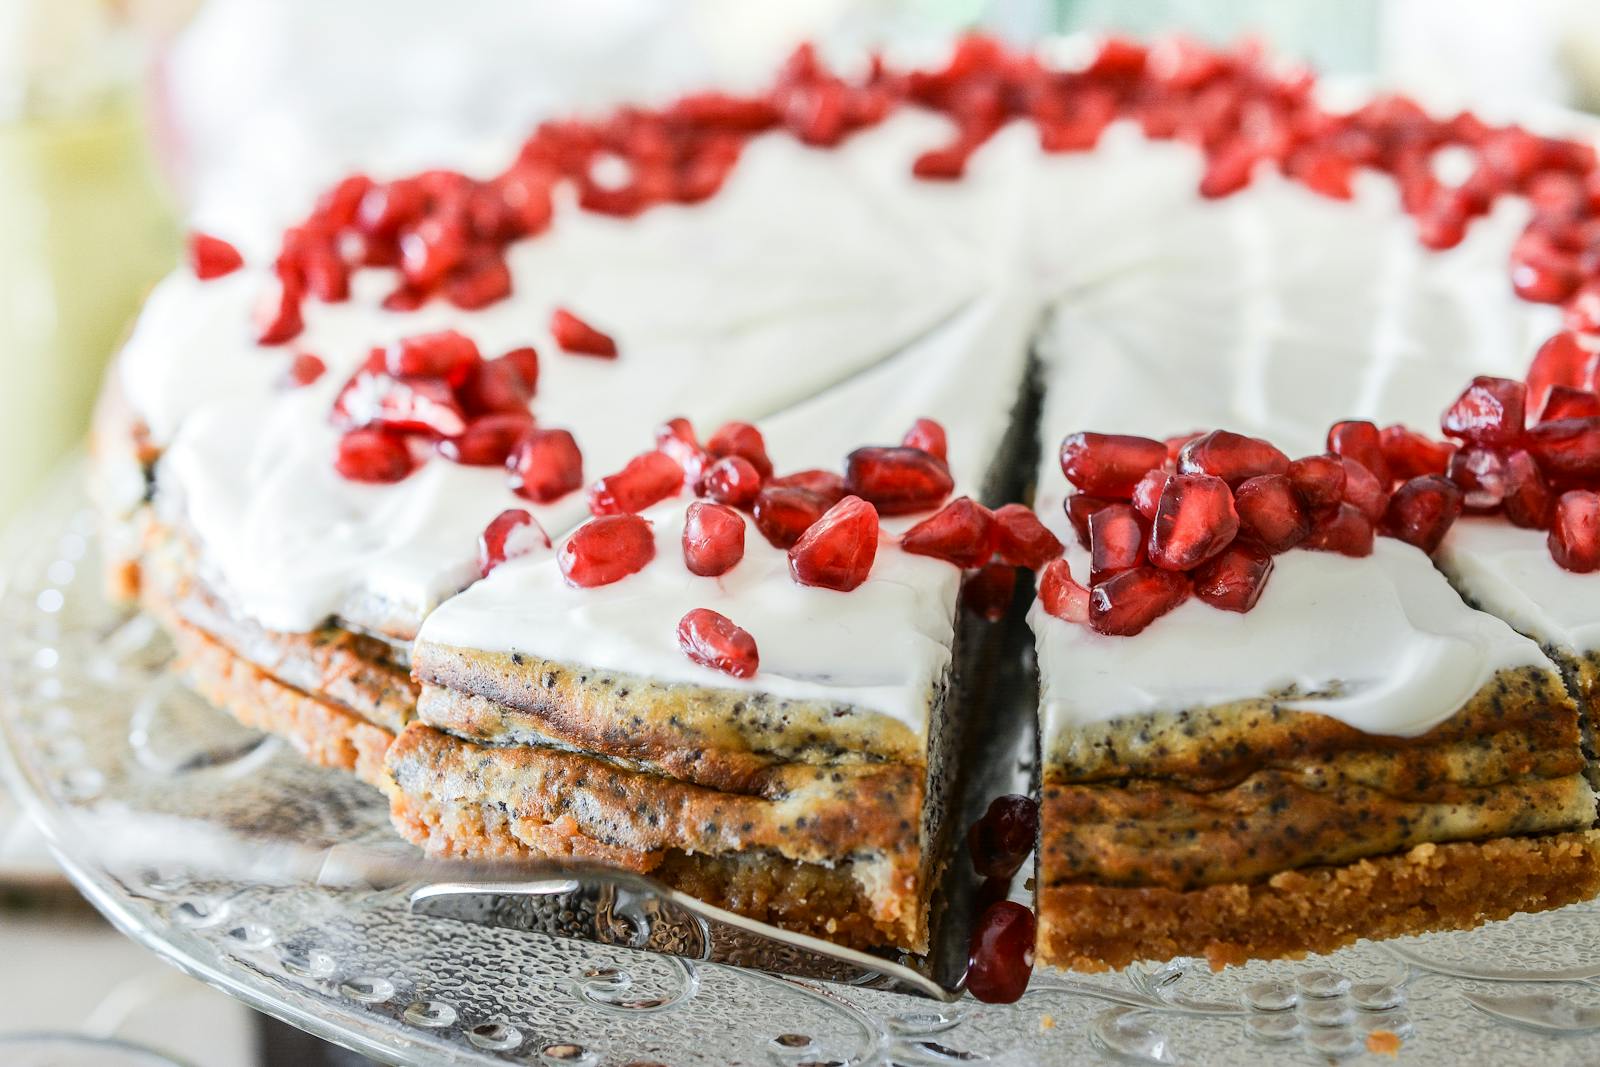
{"x":645,"y":502}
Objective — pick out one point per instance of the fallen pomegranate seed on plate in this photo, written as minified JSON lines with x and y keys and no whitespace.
{"x":1000,"y":956}
{"x":714,"y":641}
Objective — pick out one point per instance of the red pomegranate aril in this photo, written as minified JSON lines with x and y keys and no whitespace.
{"x":371,"y":454}
{"x":448,"y":354}
{"x":512,"y":533}
{"x":1362,"y":489}
{"x":962,"y":532}
{"x":1116,"y":541}
{"x":1559,"y":361}
{"x":1080,"y":507}
{"x":1410,"y":454}
{"x":741,"y":439}
{"x":1195,"y":520}
{"x":646,"y":479}
{"x":1002,"y":839}
{"x":1582,"y":312}
{"x":606,"y":549}
{"x":1234,"y":578}
{"x":1566,"y":402}
{"x":1270,"y":512}
{"x":1480,"y":474}
{"x":713,"y":640}
{"x":1318,"y":479}
{"x":487,"y":441}
{"x":1568,"y":450}
{"x":1022,"y":540}
{"x":212,"y":257}
{"x":1125,"y":604}
{"x":415,"y":405}
{"x":988,"y":591}
{"x":1492,"y":411}
{"x":1345,"y":530}
{"x":1230,"y":456}
{"x":1000,"y":955}
{"x":927,"y":436}
{"x":1109,"y":465}
{"x":1061,"y":594}
{"x":1575,"y":531}
{"x":837,"y":551}
{"x":713,"y":539}
{"x":574,"y":335}
{"x":277,"y":313}
{"x":730,"y":480}
{"x":1360,"y":441}
{"x":897,"y":481}
{"x":385,"y":208}
{"x":306,"y":368}
{"x":1147,"y":494}
{"x":478,"y":282}
{"x":676,"y":438}
{"x":784,"y":513}
{"x":545,"y":466}
{"x":1422,"y":510}
{"x":431,"y":250}
{"x":1528,"y":499}
{"x":496,"y":387}
{"x":826,"y":484}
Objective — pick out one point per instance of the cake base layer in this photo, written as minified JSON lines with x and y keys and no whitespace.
{"x":835,"y":853}
{"x":1318,"y":909}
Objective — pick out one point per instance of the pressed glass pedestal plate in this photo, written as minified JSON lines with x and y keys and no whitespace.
{"x":222,"y":852}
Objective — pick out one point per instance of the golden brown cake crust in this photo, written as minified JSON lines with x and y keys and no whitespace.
{"x":1318,"y":909}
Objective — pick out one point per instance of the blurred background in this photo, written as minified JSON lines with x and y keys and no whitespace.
{"x":125,"y":122}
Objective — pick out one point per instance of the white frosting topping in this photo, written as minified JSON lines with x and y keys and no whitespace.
{"x":1508,"y":570}
{"x":1385,"y":635}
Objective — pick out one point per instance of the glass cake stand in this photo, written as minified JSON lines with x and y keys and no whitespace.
{"x":219,"y":850}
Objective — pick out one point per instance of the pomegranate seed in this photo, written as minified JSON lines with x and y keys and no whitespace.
{"x":962,"y":532}
{"x":496,"y":386}
{"x":606,"y":549}
{"x":1318,"y":479}
{"x":1125,"y":604}
{"x":713,"y":539}
{"x":1362,"y":489}
{"x":405,"y":298}
{"x":712,"y":640}
{"x":1061,"y":595}
{"x":826,"y":484}
{"x":545,"y":466}
{"x":1422,"y":510}
{"x":1174,"y":446}
{"x":574,"y":335}
{"x":431,"y":250}
{"x":306,"y":368}
{"x":1228,"y":169}
{"x":1109,"y":465}
{"x":1080,"y":508}
{"x":1270,"y":512}
{"x":277,"y":314}
{"x":1528,"y":498}
{"x":927,"y":436}
{"x":1565,"y":402}
{"x":478,"y":282}
{"x":676,"y":438}
{"x":1230,"y":456}
{"x":646,"y":479}
{"x":897,"y":481}
{"x":370,"y":454}
{"x":1361,"y":442}
{"x":1409,"y":453}
{"x":417,"y":405}
{"x":1000,"y":955}
{"x":741,"y":439}
{"x":1480,"y":474}
{"x":1116,"y":541}
{"x":1559,"y":361}
{"x":731,"y":480}
{"x":1022,"y":540}
{"x":1195,"y":520}
{"x":1234,"y":578}
{"x":1002,"y":839}
{"x":988,"y":591}
{"x":1324,"y":172}
{"x":1344,"y":529}
{"x":1582,"y":313}
{"x":1568,"y":450}
{"x":1575,"y":531}
{"x":327,"y":276}
{"x":487,"y":441}
{"x":837,"y":551}
{"x":1442,"y":224}
{"x":1147,"y":494}
{"x":784,"y":513}
{"x":212,"y":257}
{"x":1490,"y":412}
{"x":1541,"y":272}
{"x":512,"y":533}
{"x":385,"y":208}
{"x":447,"y":354}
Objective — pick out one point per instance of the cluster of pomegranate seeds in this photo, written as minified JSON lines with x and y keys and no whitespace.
{"x":606,"y":549}
{"x":714,"y":641}
{"x":212,"y":257}
{"x":512,"y":533}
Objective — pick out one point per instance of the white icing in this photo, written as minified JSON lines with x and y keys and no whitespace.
{"x":1508,"y":570}
{"x":1386,"y":629}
